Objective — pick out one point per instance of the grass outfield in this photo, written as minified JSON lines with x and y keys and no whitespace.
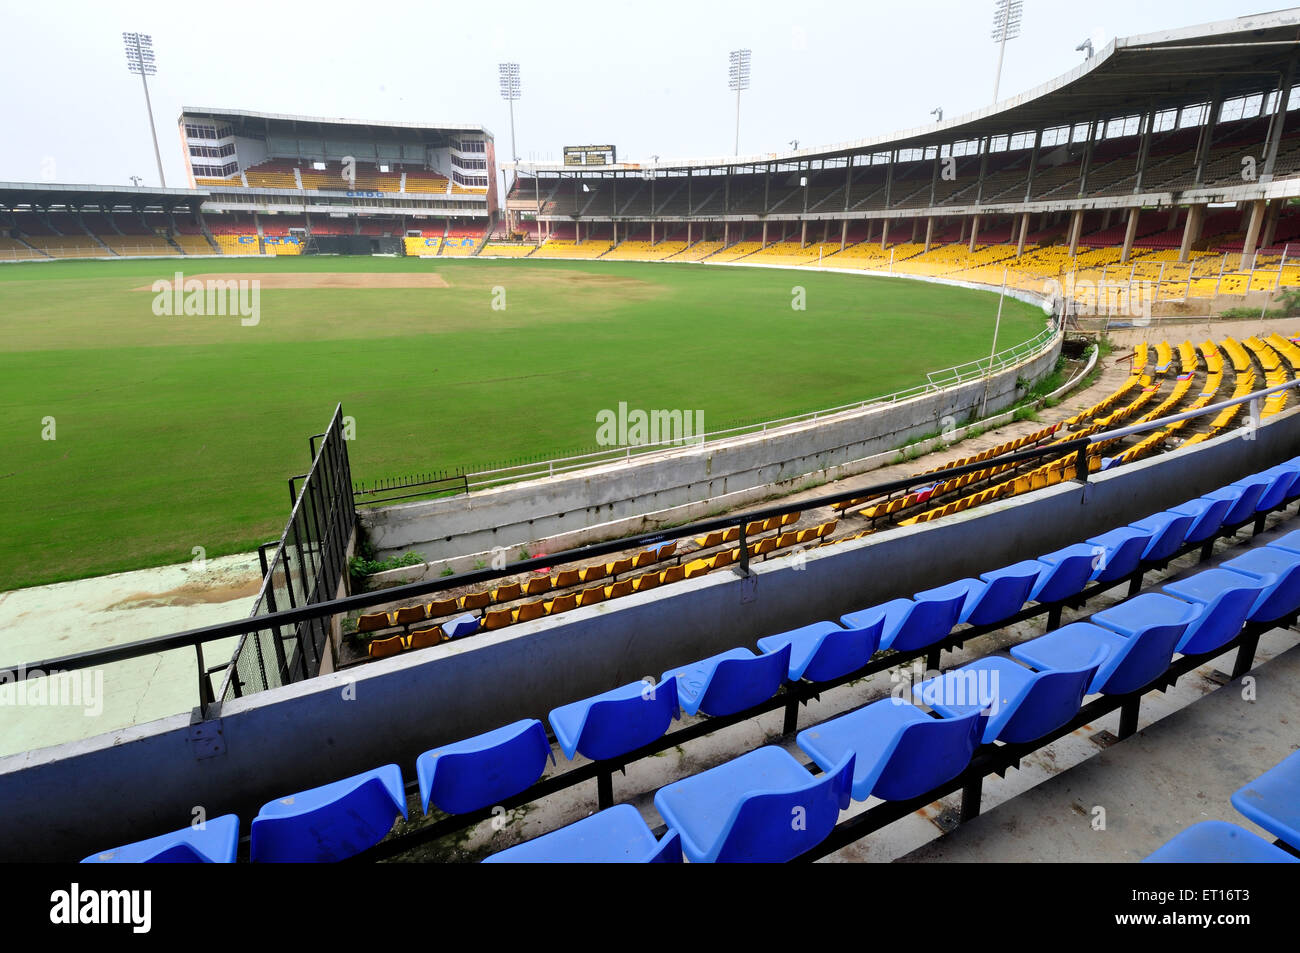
{"x":176,"y":432}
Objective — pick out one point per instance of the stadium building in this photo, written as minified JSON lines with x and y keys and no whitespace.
{"x":1100,"y":567}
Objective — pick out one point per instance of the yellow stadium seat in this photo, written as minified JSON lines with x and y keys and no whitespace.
{"x":530,"y":611}
{"x":374,"y":621}
{"x":442,"y":607}
{"x":475,"y":600}
{"x":423,"y":638}
{"x":383,"y":648}
{"x":506,"y":593}
{"x":537,"y":586}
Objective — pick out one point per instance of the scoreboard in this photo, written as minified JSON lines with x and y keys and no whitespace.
{"x":589,"y":155}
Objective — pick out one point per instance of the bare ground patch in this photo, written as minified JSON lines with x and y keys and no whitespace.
{"x":340,"y":279}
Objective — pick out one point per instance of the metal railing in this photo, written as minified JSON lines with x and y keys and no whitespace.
{"x":305,"y":568}
{"x":316,"y":617}
{"x":935,"y":381}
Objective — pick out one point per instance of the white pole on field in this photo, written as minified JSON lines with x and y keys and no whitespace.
{"x":997,"y":325}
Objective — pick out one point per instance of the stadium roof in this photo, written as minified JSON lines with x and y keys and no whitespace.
{"x":48,"y":193}
{"x":1164,"y":70}
{"x":243,"y":118}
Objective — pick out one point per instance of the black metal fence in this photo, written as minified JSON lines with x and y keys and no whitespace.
{"x":303,"y":568}
{"x":436,"y":483}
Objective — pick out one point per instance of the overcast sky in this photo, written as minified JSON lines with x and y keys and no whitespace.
{"x":649,"y":77}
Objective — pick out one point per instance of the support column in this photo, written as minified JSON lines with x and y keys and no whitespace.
{"x":803,"y":234}
{"x":1278,"y":123}
{"x":844,"y":234}
{"x":1257,"y":210}
{"x":1270,"y":224}
{"x":916,"y":227}
{"x":826,"y":229}
{"x":688,"y":231}
{"x":616,"y":233}
{"x":929,"y":232}
{"x":726,"y":234}
{"x":1076,"y":229}
{"x":652,"y":233}
{"x":1130,"y":233}
{"x":1191,"y":231}
{"x":884,"y":234}
{"x":764,"y":235}
{"x":974,"y":233}
{"x":1024,"y":234}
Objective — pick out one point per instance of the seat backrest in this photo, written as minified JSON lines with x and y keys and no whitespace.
{"x":567,"y":577}
{"x":927,"y":754}
{"x":777,"y":827}
{"x":1139,"y":660}
{"x":843,"y":652}
{"x":475,"y":600}
{"x":1050,"y":700}
{"x":373,"y":621}
{"x":738,"y":684}
{"x":563,"y":603}
{"x":506,"y":593}
{"x":537,"y":585}
{"x":442,"y":607}
{"x":1066,"y":578}
{"x":1243,"y":508}
{"x":674,"y":574}
{"x":1170,"y":530}
{"x":383,"y":648}
{"x":1004,"y":596}
{"x":423,"y":638}
{"x":1222,"y":619}
{"x":928,"y":621}
{"x":497,"y":619}
{"x":1208,"y":522}
{"x":484,"y":770}
{"x":615,"y":727}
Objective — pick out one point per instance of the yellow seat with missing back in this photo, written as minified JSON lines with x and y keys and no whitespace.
{"x":374,"y":621}
{"x":530,"y":611}
{"x":709,"y":540}
{"x":423,"y":638}
{"x":383,"y":648}
{"x":698,"y":567}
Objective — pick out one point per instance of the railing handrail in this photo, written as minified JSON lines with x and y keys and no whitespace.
{"x":198,"y":636}
{"x":286,"y":617}
{"x":1008,"y":357}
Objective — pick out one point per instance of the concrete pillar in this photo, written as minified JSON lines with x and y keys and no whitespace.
{"x":803,"y":234}
{"x":929,"y":232}
{"x":826,"y":229}
{"x":844,"y":234}
{"x":577,"y":233}
{"x":1257,"y":210}
{"x":916,"y":227}
{"x":1076,"y":229}
{"x":1191,"y":231}
{"x":962,"y":236}
{"x":1130,"y":233}
{"x":616,"y":233}
{"x":974,"y":233}
{"x":884,"y":234}
{"x":1105,"y":219}
{"x":765,"y":234}
{"x":1173,"y":219}
{"x":652,"y":233}
{"x":1024,"y":234}
{"x":688,"y":231}
{"x":1270,"y":224}
{"x":726,"y":233}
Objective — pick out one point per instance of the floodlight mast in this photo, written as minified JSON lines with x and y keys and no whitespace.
{"x":510,"y":91}
{"x":1006,"y":26}
{"x":139,"y":59}
{"x":738,"y":79}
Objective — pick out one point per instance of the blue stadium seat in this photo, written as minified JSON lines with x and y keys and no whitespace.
{"x":1280,"y":571}
{"x":1227,"y":597}
{"x":614,"y":836}
{"x":1273,"y":800}
{"x":763,"y":807}
{"x":1120,"y":551}
{"x":1290,"y":542}
{"x":484,"y":770}
{"x":999,"y":594}
{"x":214,"y":843}
{"x":1207,"y":516}
{"x":1144,"y":613}
{"x":1132,"y":663}
{"x":460,"y":626}
{"x":898,"y":750}
{"x":615,"y":722}
{"x":1064,"y":573}
{"x":918,"y":622}
{"x":824,"y":651}
{"x":1241,"y":500}
{"x":1168,"y":533}
{"x":1218,"y":842}
{"x":331,"y":822}
{"x":731,"y":681}
{"x":1023,"y":705}
{"x":1281,"y":481}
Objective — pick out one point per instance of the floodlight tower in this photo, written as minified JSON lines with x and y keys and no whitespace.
{"x":738,"y":79}
{"x":1006,"y":26}
{"x":510,"y":92}
{"x":139,"y":59}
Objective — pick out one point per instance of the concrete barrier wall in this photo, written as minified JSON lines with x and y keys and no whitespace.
{"x":66,"y":802}
{"x":524,"y":512}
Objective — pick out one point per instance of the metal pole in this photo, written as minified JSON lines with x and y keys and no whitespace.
{"x":152,"y":131}
{"x":997,"y":325}
{"x":737,"y":152}
{"x":1002,"y":52}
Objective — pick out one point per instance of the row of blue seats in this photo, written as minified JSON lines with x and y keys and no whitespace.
{"x":470,"y":775}
{"x":1272,"y":801}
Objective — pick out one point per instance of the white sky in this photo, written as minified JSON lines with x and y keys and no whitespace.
{"x":649,"y":77}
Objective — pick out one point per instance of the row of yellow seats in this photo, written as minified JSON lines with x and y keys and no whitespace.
{"x":731,"y":534}
{"x":508,"y":593}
